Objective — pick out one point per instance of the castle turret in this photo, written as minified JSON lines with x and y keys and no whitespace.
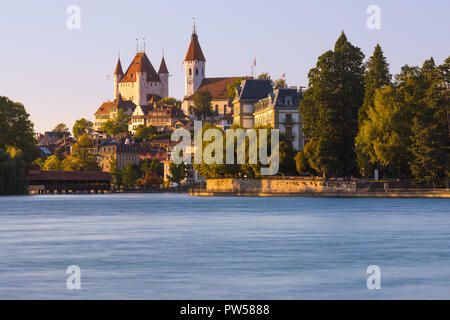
{"x":163,"y":74}
{"x":118,"y":75}
{"x":194,"y":66}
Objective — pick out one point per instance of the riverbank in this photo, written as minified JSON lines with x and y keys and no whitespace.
{"x":307,"y":187}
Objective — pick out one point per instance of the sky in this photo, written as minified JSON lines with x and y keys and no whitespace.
{"x":63,"y":74}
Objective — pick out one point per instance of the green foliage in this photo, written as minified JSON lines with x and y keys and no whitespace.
{"x":202,"y":105}
{"x":117,"y":125}
{"x":430,"y":127}
{"x":82,"y":126}
{"x":147,"y":133}
{"x":232,"y":88}
{"x":115,"y":172}
{"x":302,"y":161}
{"x":152,"y":166}
{"x":376,"y":76}
{"x":53,"y":164}
{"x":83,"y":156}
{"x":16,"y":129}
{"x":12,"y":168}
{"x":61,"y":129}
{"x":330,"y":108}
{"x":279,"y":84}
{"x":129,"y":176}
{"x":265,"y":76}
{"x":171,"y":101}
{"x":287,"y":158}
{"x":39,"y":162}
{"x":178,"y":172}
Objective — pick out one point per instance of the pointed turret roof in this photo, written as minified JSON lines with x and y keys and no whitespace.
{"x":195,"y":51}
{"x":163,"y":67}
{"x":140,"y":63}
{"x":118,"y":68}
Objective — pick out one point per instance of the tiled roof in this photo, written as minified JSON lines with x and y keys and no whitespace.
{"x":105,"y":108}
{"x":118,"y":68}
{"x":163,"y":67}
{"x":194,"y":52}
{"x":140,"y":63}
{"x":217,"y":87}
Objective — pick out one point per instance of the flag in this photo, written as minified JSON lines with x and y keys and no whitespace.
{"x":254,"y":62}
{"x":182,"y":64}
{"x":283,"y":75}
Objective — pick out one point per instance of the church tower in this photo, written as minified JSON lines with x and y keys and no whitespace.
{"x":194,"y":64}
{"x":163,"y":74}
{"x":118,"y":75}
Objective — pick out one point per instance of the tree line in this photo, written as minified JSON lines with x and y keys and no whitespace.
{"x":359,"y":119}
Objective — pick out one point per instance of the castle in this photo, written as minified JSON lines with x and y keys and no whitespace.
{"x":139,"y":85}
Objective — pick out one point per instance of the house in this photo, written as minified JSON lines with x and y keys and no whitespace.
{"x":119,"y":151}
{"x":110,"y":109}
{"x":280,"y":110}
{"x":247,"y":95}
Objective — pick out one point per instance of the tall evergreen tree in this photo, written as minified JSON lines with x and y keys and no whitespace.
{"x":377,"y":75}
{"x":430,"y":127}
{"x":330,"y":108}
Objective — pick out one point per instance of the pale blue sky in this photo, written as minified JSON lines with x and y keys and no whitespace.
{"x":60,"y":74}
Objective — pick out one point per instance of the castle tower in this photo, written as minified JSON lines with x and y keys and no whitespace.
{"x":194,"y":64}
{"x":163,"y":74}
{"x":118,"y":75}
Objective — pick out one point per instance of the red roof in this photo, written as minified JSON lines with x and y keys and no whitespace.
{"x":195,"y":51}
{"x":163,"y":67}
{"x":118,"y":68}
{"x":217,"y":87}
{"x":141,"y":64}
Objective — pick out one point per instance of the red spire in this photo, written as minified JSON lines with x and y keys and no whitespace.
{"x":118,"y":68}
{"x":195,"y":51}
{"x":163,"y":67}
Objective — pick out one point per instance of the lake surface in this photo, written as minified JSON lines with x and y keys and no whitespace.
{"x":172,"y":246}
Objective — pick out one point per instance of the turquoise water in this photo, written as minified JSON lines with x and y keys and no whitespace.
{"x":168,"y":246}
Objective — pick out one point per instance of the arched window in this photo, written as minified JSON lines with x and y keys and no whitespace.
{"x":196,"y":71}
{"x":203,"y":71}
{"x":190,"y":71}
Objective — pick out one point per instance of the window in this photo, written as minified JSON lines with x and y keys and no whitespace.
{"x":203,"y":71}
{"x":288,"y":117}
{"x":196,"y":71}
{"x":190,"y":71}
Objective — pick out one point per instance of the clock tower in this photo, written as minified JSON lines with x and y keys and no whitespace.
{"x":194,"y":65}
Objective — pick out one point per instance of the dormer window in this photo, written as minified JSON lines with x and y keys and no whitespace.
{"x":288,"y":101}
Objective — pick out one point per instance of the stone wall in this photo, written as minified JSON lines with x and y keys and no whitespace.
{"x":296,"y":185}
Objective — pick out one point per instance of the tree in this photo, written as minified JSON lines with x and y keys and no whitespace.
{"x":171,"y":101}
{"x":302,"y":161}
{"x":39,"y":162}
{"x":429,"y":131}
{"x":152,"y":166}
{"x":384,"y":136}
{"x":116,"y":173}
{"x":330,"y":108}
{"x":16,"y":129}
{"x":147,"y":133}
{"x":12,"y":167}
{"x":83,"y":156}
{"x":178,"y":172}
{"x":117,"y":125}
{"x":265,"y":76}
{"x":202,"y":105}
{"x":279,"y":84}
{"x":61,"y":129}
{"x":52,"y":163}
{"x":287,"y":158}
{"x":150,"y":179}
{"x":232,"y":88}
{"x":82,"y":126}
{"x":129,"y":176}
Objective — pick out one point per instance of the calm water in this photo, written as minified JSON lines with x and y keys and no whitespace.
{"x":181,"y":247}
